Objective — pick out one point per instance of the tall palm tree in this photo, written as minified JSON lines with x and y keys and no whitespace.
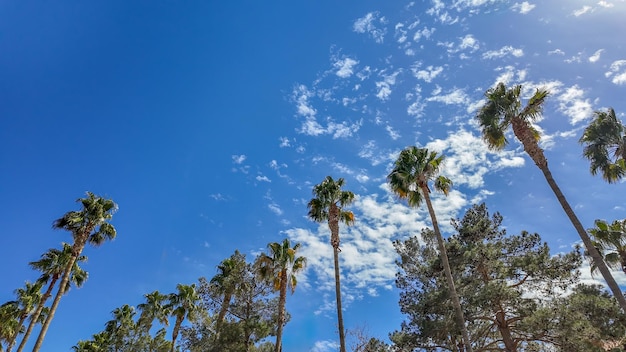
{"x":185,"y":304}
{"x":154,"y":308}
{"x":88,"y":225}
{"x":225,"y":282}
{"x":120,"y":328}
{"x":52,"y":265}
{"x":281,"y":266}
{"x":604,"y":143}
{"x":503,"y":109}
{"x":26,"y":302}
{"x":610,"y":241}
{"x":409,"y":178}
{"x":327,"y":205}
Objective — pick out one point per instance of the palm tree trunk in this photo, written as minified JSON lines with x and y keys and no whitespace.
{"x":60,"y":292}
{"x":448,"y":272}
{"x":223,"y":309}
{"x":593,"y":252}
{"x":342,"y":334}
{"x":179,"y":321}
{"x":523,"y":133}
{"x":35,"y":316}
{"x":281,"y":311}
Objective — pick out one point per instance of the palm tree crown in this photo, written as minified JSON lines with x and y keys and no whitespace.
{"x":604,"y":142}
{"x":411,"y":173}
{"x":610,"y":241}
{"x":503,"y":109}
{"x":328,"y":203}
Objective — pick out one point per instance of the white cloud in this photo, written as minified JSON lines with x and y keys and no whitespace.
{"x":573,"y":104}
{"x":468,"y":159}
{"x":284,"y":142}
{"x":384,"y":86}
{"x":423,"y":33}
{"x":263,"y":178}
{"x":428,"y":74}
{"x":504,"y":51}
{"x":275,"y":208}
{"x":345,"y":67}
{"x":596,"y":56}
{"x":469,"y":42}
{"x":582,"y":10}
{"x":325,"y":346}
{"x":368,"y":24}
{"x":523,"y":7}
{"x":455,"y":96}
{"x":300,"y":96}
{"x":556,"y":52}
{"x":618,"y":72}
{"x":605,"y":4}
{"x":238,"y":159}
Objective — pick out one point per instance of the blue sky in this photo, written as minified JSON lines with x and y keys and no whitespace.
{"x":209,"y":123}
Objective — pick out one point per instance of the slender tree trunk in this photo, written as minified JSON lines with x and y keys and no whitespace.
{"x":333,"y":225}
{"x":60,"y":292}
{"x":593,"y":252}
{"x":448,"y":272}
{"x":35,"y":316}
{"x":223,"y":309}
{"x":281,"y":310}
{"x":523,"y":133}
{"x":179,"y":321}
{"x":342,"y":333}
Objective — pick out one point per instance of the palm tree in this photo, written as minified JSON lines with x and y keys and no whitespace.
{"x":604,"y":143}
{"x":409,"y":178}
{"x":52,"y":265}
{"x":184,"y":304}
{"x":120,"y":328}
{"x":155,"y":308}
{"x":503,"y":109}
{"x":610,"y":241}
{"x":27,"y":299}
{"x":281,"y":266}
{"x":9,"y":313}
{"x":327,"y":205}
{"x":88,"y":225}
{"x":225,"y":282}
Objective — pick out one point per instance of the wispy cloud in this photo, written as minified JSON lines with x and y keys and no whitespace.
{"x":617,"y":72}
{"x":523,"y":7}
{"x":573,"y":104}
{"x":583,"y":10}
{"x":427,"y":74}
{"x":596,"y":56}
{"x":370,"y":24}
{"x":502,"y":52}
{"x":345,"y":67}
{"x":238,"y":159}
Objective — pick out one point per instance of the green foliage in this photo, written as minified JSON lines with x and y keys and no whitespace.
{"x":604,"y":142}
{"x":250,"y":316}
{"x":503,"y":281}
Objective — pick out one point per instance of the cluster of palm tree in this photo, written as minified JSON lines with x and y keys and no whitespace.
{"x":604,"y":143}
{"x":415,"y":172}
{"x":59,"y":269}
{"x":125,"y":333}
